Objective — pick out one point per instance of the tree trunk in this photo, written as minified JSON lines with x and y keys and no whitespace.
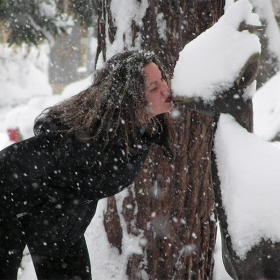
{"x":171,"y":205}
{"x":175,"y":215}
{"x":65,"y":59}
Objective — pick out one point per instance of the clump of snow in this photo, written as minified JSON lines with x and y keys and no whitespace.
{"x":266,"y":103}
{"x":48,"y":9}
{"x":211,"y":63}
{"x":106,"y":261}
{"x":4,"y":140}
{"x":219,"y":272}
{"x":23,"y":116}
{"x":249,"y":174}
{"x":161,"y":26}
{"x":23,"y":74}
{"x":123,"y":13}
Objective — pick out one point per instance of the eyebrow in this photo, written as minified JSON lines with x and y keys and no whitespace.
{"x":155,"y":82}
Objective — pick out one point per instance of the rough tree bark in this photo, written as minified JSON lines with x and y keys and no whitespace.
{"x":170,"y":205}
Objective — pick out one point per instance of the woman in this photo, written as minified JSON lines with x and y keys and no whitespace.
{"x":84,"y":149}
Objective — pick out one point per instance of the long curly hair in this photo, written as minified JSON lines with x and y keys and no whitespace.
{"x":114,"y":107}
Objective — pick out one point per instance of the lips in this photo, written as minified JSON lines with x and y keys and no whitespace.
{"x":168,"y":99}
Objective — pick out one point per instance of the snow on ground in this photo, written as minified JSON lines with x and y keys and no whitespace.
{"x":22,"y":117}
{"x":23,"y":74}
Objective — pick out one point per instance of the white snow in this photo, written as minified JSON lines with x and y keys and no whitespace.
{"x":267,"y":109}
{"x":23,"y":118}
{"x":123,"y":12}
{"x":211,"y":63}
{"x":161,"y":26}
{"x":23,"y":74}
{"x":249,"y":174}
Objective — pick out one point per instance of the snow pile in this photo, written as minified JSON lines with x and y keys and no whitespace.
{"x":249,"y":174}
{"x":23,"y":116}
{"x":23,"y":74}
{"x":266,"y":103}
{"x":123,"y":13}
{"x":107,"y":262}
{"x":211,"y":63}
{"x":4,"y":140}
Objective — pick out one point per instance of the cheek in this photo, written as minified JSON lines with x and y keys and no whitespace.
{"x":152,"y":103}
{"x":149,"y":99}
{"x":153,"y":99}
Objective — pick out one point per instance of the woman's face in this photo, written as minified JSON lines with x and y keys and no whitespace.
{"x":157,"y":91}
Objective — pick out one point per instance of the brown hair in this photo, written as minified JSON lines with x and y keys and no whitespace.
{"x":114,"y":106}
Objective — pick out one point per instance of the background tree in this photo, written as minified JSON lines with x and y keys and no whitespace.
{"x":34,"y":21}
{"x":175,"y":202}
{"x":30,"y":21}
{"x":63,"y":23}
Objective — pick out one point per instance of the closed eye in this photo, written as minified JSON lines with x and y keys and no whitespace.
{"x":154,"y":89}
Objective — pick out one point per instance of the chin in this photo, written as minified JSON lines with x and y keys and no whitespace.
{"x":169,"y":108}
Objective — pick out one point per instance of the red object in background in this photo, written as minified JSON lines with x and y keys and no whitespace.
{"x":13,"y":134}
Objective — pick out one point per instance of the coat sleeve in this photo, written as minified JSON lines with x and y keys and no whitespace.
{"x":96,"y":174}
{"x":80,"y":168}
{"x":117,"y":176}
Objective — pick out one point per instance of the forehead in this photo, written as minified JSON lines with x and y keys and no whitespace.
{"x":152,"y":71}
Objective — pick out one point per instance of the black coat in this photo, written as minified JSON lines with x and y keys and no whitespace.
{"x":52,"y":183}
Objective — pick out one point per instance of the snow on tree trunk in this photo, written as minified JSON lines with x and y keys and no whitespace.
{"x":162,"y":26}
{"x":171,"y":205}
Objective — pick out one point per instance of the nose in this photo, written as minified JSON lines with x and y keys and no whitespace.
{"x":165,"y":88}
